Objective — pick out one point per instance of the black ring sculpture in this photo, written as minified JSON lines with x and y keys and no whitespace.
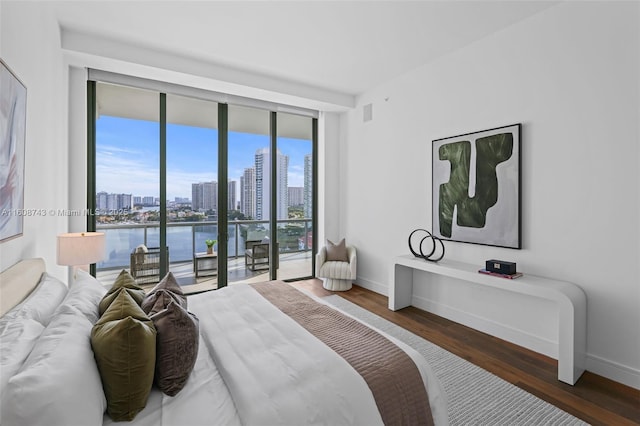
{"x":429,"y":257}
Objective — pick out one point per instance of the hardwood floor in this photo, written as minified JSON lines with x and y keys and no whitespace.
{"x":594,"y":399}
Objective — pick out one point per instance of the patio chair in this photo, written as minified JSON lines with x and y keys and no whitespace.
{"x":256,"y":254}
{"x":145,"y":264}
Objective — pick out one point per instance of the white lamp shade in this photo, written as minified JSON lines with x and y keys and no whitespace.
{"x":80,"y":248}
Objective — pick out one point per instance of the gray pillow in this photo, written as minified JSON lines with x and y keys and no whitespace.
{"x":176,"y":347}
{"x":155,"y":302}
{"x":337,"y":252}
{"x":167,"y":289}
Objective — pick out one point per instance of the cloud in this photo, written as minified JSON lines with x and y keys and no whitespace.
{"x":133,"y":171}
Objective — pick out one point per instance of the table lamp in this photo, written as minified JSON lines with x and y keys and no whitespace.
{"x":80,"y":249}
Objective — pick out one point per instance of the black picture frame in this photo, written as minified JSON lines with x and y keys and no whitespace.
{"x":476,"y":187}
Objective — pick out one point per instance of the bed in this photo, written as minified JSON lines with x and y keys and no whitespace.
{"x":266,"y":355}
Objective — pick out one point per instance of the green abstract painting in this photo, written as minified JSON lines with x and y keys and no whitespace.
{"x":476,"y":187}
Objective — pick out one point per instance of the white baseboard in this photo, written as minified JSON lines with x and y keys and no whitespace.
{"x":373,"y":286}
{"x":493,"y":328}
{"x":614,"y":371}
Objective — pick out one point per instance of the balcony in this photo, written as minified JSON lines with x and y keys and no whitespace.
{"x":186,"y":238}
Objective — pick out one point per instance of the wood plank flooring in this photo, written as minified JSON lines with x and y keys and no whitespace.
{"x":594,"y":399}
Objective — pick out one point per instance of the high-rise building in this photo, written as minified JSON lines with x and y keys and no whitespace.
{"x":231,"y":195}
{"x":101,"y":200}
{"x":261,"y":168}
{"x":308,"y":185}
{"x":196,"y":196}
{"x":148,"y":201}
{"x":263,"y":184}
{"x":124,"y":201}
{"x":210,"y":196}
{"x":106,"y":202}
{"x":296,"y":195}
{"x":112,"y":202}
{"x":248,"y":193}
{"x":204,"y":196}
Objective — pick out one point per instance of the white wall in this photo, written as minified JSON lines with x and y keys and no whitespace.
{"x":570,"y":75}
{"x":30,"y":45}
{"x":328,"y":177}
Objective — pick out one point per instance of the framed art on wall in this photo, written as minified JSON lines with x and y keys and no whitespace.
{"x":13,"y":116}
{"x":476,"y":187}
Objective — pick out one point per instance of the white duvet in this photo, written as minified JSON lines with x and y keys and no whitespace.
{"x":257,"y":366}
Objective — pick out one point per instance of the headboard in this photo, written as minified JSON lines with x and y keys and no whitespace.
{"x":18,"y":281}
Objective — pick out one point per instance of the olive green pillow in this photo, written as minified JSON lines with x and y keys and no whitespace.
{"x":166,"y":290}
{"x":126,"y":281}
{"x":124,"y":345}
{"x":176,"y":346}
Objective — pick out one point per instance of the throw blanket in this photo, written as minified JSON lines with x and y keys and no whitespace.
{"x":391,"y":374}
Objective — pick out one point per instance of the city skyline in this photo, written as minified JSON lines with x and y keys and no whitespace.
{"x":128,"y":157}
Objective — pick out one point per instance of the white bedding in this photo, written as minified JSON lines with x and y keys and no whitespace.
{"x":204,"y":400}
{"x":256,"y":366}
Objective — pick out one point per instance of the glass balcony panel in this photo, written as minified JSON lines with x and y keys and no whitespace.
{"x":120,"y":242}
{"x":205,"y":232}
{"x":122,"y":239}
{"x":180,"y":243}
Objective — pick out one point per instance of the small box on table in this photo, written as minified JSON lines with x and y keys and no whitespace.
{"x":501,"y":267}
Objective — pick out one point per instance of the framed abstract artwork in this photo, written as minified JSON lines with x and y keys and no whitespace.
{"x":13,"y":116}
{"x":476,"y":187}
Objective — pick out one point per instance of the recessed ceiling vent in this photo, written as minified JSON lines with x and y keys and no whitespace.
{"x":367,"y":113}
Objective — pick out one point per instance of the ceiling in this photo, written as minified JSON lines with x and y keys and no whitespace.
{"x":341,"y":46}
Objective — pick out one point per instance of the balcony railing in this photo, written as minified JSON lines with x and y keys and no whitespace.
{"x":186,"y":238}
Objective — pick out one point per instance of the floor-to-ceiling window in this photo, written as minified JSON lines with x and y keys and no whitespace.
{"x":127,"y":171}
{"x":249,"y":179}
{"x":196,"y":178}
{"x":192,"y":187}
{"x":294,"y":195}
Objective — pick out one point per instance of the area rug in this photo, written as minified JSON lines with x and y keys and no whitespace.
{"x":475,"y":396}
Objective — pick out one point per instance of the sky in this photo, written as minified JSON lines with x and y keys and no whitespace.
{"x":128,"y":157}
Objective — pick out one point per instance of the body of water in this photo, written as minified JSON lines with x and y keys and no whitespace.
{"x":122,"y":241}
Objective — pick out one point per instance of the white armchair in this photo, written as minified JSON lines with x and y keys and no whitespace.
{"x":336,"y":275}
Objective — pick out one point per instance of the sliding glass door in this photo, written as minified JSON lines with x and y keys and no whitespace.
{"x":127,"y":177}
{"x":215,"y":193}
{"x":192,"y":190}
{"x":249,"y":179}
{"x":294,"y":197}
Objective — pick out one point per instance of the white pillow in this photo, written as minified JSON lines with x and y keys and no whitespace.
{"x":142,"y":249}
{"x":40,"y":304}
{"x":85,"y":294}
{"x":59,"y":383}
{"x":16,"y":342}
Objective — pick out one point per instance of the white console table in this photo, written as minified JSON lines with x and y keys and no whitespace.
{"x":570,"y":300}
